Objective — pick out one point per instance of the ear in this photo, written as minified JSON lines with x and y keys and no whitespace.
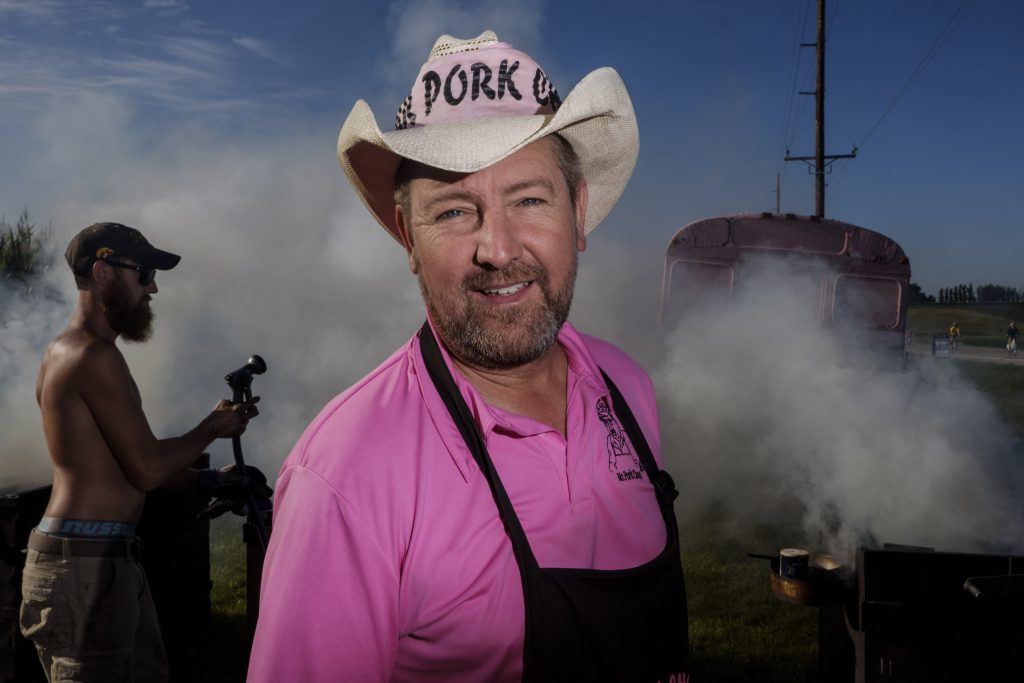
{"x":101,"y":272}
{"x":405,"y":232}
{"x":581,"y":216}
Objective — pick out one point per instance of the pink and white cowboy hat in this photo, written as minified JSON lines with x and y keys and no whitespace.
{"x":477,"y":101}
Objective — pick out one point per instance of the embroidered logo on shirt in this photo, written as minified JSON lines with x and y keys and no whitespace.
{"x":622,"y":462}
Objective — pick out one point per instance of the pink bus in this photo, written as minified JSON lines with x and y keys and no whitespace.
{"x":850,"y":276}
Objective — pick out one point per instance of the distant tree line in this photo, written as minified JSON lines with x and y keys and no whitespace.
{"x":968,"y":294}
{"x":917,"y":295}
{"x":21,"y":250}
{"x":957,"y":294}
{"x":984,"y":294}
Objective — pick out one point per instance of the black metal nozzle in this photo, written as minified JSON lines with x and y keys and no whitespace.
{"x":240,"y":382}
{"x":241,"y":378}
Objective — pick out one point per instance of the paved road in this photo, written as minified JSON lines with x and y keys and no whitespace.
{"x":979,"y":353}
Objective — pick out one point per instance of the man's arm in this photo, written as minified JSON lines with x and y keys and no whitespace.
{"x":329,"y":595}
{"x":185,"y":480}
{"x":105,"y":383}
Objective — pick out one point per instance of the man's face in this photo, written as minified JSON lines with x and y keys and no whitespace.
{"x":126,"y":303}
{"x":495,"y":253}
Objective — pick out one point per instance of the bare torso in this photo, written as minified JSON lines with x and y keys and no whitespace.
{"x":88,"y":481}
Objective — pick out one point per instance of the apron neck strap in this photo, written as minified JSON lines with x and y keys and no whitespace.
{"x":443,"y":381}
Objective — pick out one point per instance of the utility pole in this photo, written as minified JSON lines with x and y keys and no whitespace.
{"x":821,"y":161}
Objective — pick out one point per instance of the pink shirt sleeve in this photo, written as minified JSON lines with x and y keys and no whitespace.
{"x":329,"y":598}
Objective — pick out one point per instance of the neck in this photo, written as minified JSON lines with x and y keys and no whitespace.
{"x":536,"y":389}
{"x":90,"y":317}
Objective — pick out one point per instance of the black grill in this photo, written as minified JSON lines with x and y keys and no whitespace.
{"x":913,"y":614}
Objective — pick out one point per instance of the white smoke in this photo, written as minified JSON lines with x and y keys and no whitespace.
{"x":29,"y":318}
{"x":278,"y":258}
{"x":762,"y":413}
{"x":774,"y":420}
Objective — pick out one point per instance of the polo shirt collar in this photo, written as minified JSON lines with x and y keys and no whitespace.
{"x":581,"y":363}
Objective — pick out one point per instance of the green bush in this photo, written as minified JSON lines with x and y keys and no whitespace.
{"x":21,"y":250}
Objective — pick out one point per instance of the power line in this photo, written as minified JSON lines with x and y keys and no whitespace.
{"x":809,"y":74}
{"x":831,"y":18}
{"x":793,"y":124}
{"x":797,"y":52}
{"x":951,"y":26}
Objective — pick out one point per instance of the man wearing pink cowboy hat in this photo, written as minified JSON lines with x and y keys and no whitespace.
{"x":457,"y":515}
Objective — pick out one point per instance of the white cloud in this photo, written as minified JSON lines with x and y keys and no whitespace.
{"x":205,"y":53}
{"x":168,"y":6}
{"x":258,"y":47}
{"x":60,"y":12}
{"x":32,"y":9}
{"x":416,"y":24}
{"x":192,"y":73}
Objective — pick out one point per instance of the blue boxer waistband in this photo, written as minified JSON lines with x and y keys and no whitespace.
{"x":86,"y":528}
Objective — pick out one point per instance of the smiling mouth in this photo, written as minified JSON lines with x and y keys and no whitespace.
{"x":507,"y":291}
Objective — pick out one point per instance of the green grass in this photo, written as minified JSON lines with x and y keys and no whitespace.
{"x":738,"y":630}
{"x":980,"y":324}
{"x":227,"y":566}
{"x":1002,"y":383}
{"x":217,"y":653}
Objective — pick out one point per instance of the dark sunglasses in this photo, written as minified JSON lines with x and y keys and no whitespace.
{"x":146,"y":275}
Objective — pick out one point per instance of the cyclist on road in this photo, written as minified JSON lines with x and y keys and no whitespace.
{"x":954,"y":337}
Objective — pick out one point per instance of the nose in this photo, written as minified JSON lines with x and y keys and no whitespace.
{"x":151,"y":288}
{"x":497,"y":241}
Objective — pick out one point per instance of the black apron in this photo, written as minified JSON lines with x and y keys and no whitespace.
{"x":626,"y":625}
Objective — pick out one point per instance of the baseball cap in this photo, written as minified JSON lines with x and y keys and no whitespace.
{"x":106,"y":240}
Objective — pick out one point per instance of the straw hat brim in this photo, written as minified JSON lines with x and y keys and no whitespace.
{"x":596,"y":118}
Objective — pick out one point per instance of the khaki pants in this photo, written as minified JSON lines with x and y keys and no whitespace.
{"x":92,"y":619}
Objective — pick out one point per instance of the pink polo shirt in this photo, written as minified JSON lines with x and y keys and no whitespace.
{"x":388,"y":561}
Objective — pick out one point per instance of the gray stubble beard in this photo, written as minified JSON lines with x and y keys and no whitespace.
{"x":515,"y":336}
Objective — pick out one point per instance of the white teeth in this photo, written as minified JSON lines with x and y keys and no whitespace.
{"x":505,"y":291}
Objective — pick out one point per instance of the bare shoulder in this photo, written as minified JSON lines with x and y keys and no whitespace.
{"x":76,"y":354}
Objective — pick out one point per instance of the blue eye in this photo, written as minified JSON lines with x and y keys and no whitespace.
{"x":451,"y":213}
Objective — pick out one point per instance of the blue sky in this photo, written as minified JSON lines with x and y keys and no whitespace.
{"x":94,"y":91}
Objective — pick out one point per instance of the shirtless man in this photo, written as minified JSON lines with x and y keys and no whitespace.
{"x":86,"y":603}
